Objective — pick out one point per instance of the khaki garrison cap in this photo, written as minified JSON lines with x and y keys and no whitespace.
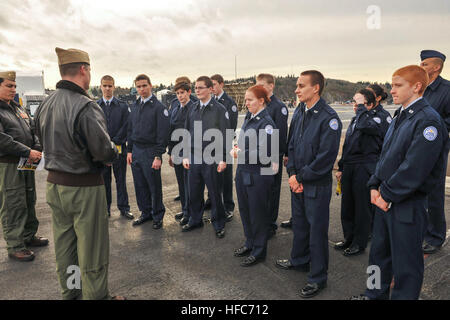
{"x":8,"y":75}
{"x":71,"y":56}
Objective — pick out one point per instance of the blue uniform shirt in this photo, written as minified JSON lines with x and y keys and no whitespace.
{"x":438,"y":95}
{"x":263,"y":127}
{"x":212,"y":116}
{"x":279,"y":114}
{"x":116,"y":116}
{"x":148,"y":126}
{"x":178,"y":117}
{"x":409,"y":159}
{"x":315,"y":144}
{"x":385,"y":117}
{"x":364,"y":138}
{"x":232,"y":109}
{"x":292,"y":125}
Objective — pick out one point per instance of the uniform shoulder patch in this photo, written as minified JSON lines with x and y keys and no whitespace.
{"x":234,"y":108}
{"x":166,"y":113}
{"x":389,"y":119}
{"x":227,"y":115}
{"x":377,"y":120}
{"x":269,"y":129}
{"x":334,"y":124}
{"x":430,"y":133}
{"x":284,"y":111}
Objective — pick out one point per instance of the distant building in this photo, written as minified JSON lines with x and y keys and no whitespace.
{"x":236,"y":90}
{"x":30,"y":90}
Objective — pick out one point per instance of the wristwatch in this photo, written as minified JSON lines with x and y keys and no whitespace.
{"x":157,"y":158}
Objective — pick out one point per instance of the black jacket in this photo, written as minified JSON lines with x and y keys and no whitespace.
{"x":17,"y":131}
{"x":72,"y":129}
{"x":116,"y":120}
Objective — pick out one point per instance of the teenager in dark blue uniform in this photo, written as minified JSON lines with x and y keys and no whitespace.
{"x":206,"y":114}
{"x":362,"y":147}
{"x":148,"y":134}
{"x":312,"y":152}
{"x":438,"y":95}
{"x":227,"y":186}
{"x":279,"y":114}
{"x":378,"y":111}
{"x":116,"y":114}
{"x":178,"y":116}
{"x":408,"y":167}
{"x":175,"y":102}
{"x":297,"y":111}
{"x":254,"y":178}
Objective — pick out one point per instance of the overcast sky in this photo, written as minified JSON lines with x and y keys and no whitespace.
{"x":169,"y":38}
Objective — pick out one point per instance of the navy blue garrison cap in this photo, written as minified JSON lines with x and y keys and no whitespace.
{"x":425,"y":54}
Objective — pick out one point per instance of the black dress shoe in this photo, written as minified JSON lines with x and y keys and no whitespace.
{"x":250,"y":261}
{"x":312,"y":289}
{"x":179,"y":215}
{"x":286,"y":224}
{"x":157,"y":225}
{"x":229,"y":216}
{"x":142,"y":219}
{"x":286,"y":264}
{"x":353,"y":251}
{"x":37,"y":241}
{"x":184,"y":221}
{"x":429,"y":249}
{"x":342,"y":245}
{"x":242,"y":251}
{"x":188,"y":227}
{"x":127,"y":214}
{"x":220,"y":233}
{"x":177,"y":198}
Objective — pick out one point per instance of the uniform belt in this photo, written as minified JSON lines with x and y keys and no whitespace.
{"x":75,"y":180}
{"x":9,"y":159}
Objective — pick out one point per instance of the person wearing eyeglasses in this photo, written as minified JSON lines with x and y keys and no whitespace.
{"x":207,"y":115}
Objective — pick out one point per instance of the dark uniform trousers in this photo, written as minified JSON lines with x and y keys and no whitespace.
{"x":310,"y":219}
{"x":17,"y":201}
{"x":226,"y":186}
{"x":183,"y":188}
{"x":388,"y":250}
{"x":356,"y":209}
{"x":119,"y":167}
{"x":147,"y":183}
{"x":438,"y":95}
{"x":275,"y":194}
{"x":437,"y":226}
{"x":253,"y":192}
{"x":198,"y":176}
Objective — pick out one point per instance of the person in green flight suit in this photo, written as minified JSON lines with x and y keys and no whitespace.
{"x":17,"y":187}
